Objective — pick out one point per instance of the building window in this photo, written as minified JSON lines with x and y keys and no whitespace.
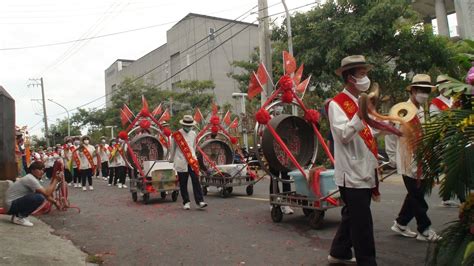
{"x":175,"y":64}
{"x":212,"y":34}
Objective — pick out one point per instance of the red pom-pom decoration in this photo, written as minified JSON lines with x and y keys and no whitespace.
{"x":123,"y":135}
{"x":215,"y":120}
{"x":287,"y":96}
{"x":312,"y":116}
{"x":262,"y":116}
{"x":145,"y":124}
{"x":285,"y":83}
{"x":214,"y":129}
{"x":167,"y":131}
{"x":234,"y":140}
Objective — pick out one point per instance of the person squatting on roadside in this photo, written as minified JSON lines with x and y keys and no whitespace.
{"x":355,"y":166}
{"x":26,"y":195}
{"x":183,"y":155}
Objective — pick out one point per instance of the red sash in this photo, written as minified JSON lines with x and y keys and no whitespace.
{"x":183,"y":145}
{"x":442,"y":106}
{"x":75,"y":157}
{"x":89,"y":157}
{"x":350,"y":109}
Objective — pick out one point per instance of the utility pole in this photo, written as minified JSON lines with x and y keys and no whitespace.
{"x":45,"y":117}
{"x":264,"y":45}
{"x":294,"y":111}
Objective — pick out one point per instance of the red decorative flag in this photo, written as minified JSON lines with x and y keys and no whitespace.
{"x":198,"y":116}
{"x":298,"y":75}
{"x":234,"y":123}
{"x":165,"y":116}
{"x":157,"y":111}
{"x":289,"y":63}
{"x":144,"y":103}
{"x":126,"y":115}
{"x":215,"y":109}
{"x":254,"y":87}
{"x":301,"y":88}
{"x":227,"y":118}
{"x":262,"y":74}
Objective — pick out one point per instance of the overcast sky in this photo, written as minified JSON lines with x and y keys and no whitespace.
{"x":74,"y":73}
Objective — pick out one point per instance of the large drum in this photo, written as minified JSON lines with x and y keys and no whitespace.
{"x":217,"y":151}
{"x":146,"y":148}
{"x":298,"y":136}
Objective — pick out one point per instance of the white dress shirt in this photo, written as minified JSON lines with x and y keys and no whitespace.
{"x":85,"y":164}
{"x":104,"y":152}
{"x":118,"y":159}
{"x":177,"y":156}
{"x":355,"y":164}
{"x":406,"y":164}
{"x":435,"y":110}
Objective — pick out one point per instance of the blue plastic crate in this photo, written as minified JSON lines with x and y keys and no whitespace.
{"x":326,"y":181}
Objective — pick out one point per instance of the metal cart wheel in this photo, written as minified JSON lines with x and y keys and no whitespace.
{"x":174,"y":195}
{"x":307,"y":212}
{"x":146,"y":198}
{"x":249,"y":190}
{"x":316,"y":219}
{"x":163,"y":195}
{"x":134,"y":196}
{"x":204,"y":190}
{"x":277,"y":214}
{"x":230,"y":189}
{"x":225,"y":192}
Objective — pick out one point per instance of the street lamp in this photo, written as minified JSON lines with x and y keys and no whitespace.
{"x":111,"y":130}
{"x":68,"y":121}
{"x":242,"y":105}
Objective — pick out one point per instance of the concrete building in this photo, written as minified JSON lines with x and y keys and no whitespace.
{"x":439,"y":9}
{"x":198,"y":47}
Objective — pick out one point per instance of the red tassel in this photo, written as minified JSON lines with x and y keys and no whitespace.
{"x":214,"y":129}
{"x":123,"y":135}
{"x":262,"y":116}
{"x":215,"y":120}
{"x":285,"y":83}
{"x":234,"y":140}
{"x":167,"y":132}
{"x":312,"y":116}
{"x":287,"y":96}
{"x":145,"y":124}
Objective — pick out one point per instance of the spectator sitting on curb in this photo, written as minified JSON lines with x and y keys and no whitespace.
{"x":25,"y":195}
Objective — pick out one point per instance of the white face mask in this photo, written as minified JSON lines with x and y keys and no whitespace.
{"x":103,"y":141}
{"x":362,"y":84}
{"x":421,"y":97}
{"x":86,"y":141}
{"x":121,"y":140}
{"x":77,"y":143}
{"x":69,"y":144}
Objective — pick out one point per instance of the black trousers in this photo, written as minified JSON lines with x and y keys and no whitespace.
{"x":105,"y":169}
{"x":86,"y":175}
{"x":76,"y":177}
{"x":111,"y":174}
{"x":415,"y":204}
{"x":183,"y":186}
{"x":67,"y":175}
{"x":284,"y":176}
{"x":356,"y":228}
{"x":118,"y":175}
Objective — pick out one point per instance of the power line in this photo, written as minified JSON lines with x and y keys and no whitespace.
{"x":192,"y":63}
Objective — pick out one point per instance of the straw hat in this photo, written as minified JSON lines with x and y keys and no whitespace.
{"x":353,"y":61}
{"x":85,"y":137}
{"x":421,"y":80}
{"x":187,"y":120}
{"x":442,"y":79}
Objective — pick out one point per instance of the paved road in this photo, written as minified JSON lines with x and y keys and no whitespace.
{"x":231,"y":231}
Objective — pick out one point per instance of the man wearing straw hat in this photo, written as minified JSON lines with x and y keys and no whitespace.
{"x":183,"y":155}
{"x":414,"y":205}
{"x":355,"y":166}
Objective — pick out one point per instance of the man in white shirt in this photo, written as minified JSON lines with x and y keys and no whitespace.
{"x":185,"y":163}
{"x":104,"y":154}
{"x":25,"y":195}
{"x":414,"y":205}
{"x":355,"y":154}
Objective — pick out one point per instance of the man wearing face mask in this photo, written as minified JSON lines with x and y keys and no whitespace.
{"x":414,"y":205}
{"x":86,"y":152}
{"x":355,"y":154}
{"x":185,"y":163}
